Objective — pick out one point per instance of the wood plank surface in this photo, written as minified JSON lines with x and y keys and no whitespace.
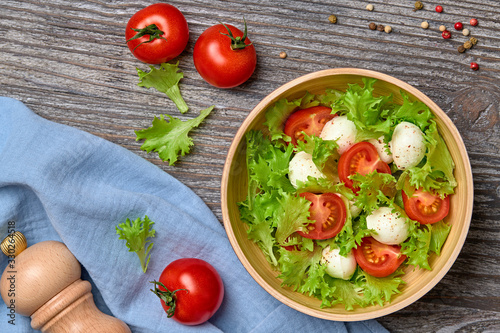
{"x":68,"y":61}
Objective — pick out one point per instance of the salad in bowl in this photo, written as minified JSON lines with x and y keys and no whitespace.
{"x":348,"y":195}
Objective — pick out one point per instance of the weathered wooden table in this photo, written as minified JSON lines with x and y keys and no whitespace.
{"x":68,"y":61}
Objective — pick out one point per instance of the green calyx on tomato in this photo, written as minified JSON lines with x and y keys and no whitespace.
{"x":151,"y":30}
{"x":167,"y":296}
{"x":237,"y":43}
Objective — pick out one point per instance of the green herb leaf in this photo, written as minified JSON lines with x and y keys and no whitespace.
{"x":137,"y":234}
{"x":416,"y":247}
{"x":373,"y":188}
{"x":166,"y":80}
{"x":380,"y":290}
{"x":440,"y":231}
{"x":170,"y":138}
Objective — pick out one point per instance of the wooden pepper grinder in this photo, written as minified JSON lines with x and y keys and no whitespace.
{"x":43,"y":281}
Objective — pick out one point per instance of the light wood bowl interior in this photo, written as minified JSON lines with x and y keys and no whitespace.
{"x":234,"y":189}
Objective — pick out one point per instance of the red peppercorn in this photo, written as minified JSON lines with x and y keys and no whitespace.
{"x":473,"y":22}
{"x":459,"y":26}
{"x":446,"y":34}
{"x":474,"y":66}
{"x":439,"y":9}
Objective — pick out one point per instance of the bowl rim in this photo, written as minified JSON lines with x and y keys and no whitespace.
{"x":272,"y":97}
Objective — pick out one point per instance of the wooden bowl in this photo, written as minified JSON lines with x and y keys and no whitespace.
{"x":234,"y":189}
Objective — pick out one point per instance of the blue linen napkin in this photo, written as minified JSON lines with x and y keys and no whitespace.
{"x":59,"y":183}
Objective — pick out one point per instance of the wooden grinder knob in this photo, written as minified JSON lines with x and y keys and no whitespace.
{"x":43,"y":281}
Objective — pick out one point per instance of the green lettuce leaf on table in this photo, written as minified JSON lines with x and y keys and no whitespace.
{"x":166,"y":80}
{"x":169,"y":138}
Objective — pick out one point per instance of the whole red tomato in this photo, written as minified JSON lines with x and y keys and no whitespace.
{"x":157,"y":33}
{"x":224,"y":56}
{"x":191,"y":290}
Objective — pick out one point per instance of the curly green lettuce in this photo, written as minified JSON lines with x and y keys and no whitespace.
{"x":169,"y":138}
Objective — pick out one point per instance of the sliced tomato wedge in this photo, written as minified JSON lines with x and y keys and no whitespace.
{"x":425,"y":207}
{"x":328,"y":212}
{"x":310,"y":121}
{"x":361,"y":158}
{"x":377,"y":259}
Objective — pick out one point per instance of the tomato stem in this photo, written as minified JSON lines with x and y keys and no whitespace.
{"x":167,"y":296}
{"x":237,"y":43}
{"x":152,"y":30}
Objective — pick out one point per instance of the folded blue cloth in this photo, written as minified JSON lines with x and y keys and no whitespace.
{"x":59,"y":183}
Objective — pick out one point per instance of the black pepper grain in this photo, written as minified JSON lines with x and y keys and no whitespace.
{"x":372,"y":26}
{"x":461,"y":49}
{"x":419,"y":5}
{"x":380,"y":27}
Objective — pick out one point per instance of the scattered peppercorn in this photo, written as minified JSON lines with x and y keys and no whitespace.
{"x":466,"y":32}
{"x":442,"y":28}
{"x":372,"y":26}
{"x":439,"y":9}
{"x":332,"y":19}
{"x":467,"y":44}
{"x":474,"y":66}
{"x":473,"y":40}
{"x":424,"y":25}
{"x":458,"y":26}
{"x":446,"y":34}
{"x":461,"y":49}
{"x":473,"y":22}
{"x":380,"y":27}
{"x":369,"y":7}
{"x":419,"y":5}
{"x":388,"y":29}
{"x":283,"y":54}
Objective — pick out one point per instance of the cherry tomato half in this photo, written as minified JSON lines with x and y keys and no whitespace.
{"x":361,"y":158}
{"x":377,"y":259}
{"x":157,"y":33}
{"x":196,"y":287}
{"x":425,"y":207}
{"x":221,"y":62}
{"x":329,"y":213}
{"x":310,"y":121}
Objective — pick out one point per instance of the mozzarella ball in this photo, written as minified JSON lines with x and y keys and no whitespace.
{"x":408,"y":145}
{"x":301,"y":166}
{"x":342,"y":130}
{"x":338,"y":266}
{"x":380,"y":145}
{"x":391,"y":228}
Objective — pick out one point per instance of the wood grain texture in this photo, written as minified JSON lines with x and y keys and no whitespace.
{"x":68,"y":62}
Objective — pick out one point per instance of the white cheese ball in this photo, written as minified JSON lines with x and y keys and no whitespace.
{"x":380,"y":145}
{"x":408,"y":145}
{"x":391,"y":228}
{"x":342,"y":130}
{"x":301,"y":166}
{"x":338,"y":266}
